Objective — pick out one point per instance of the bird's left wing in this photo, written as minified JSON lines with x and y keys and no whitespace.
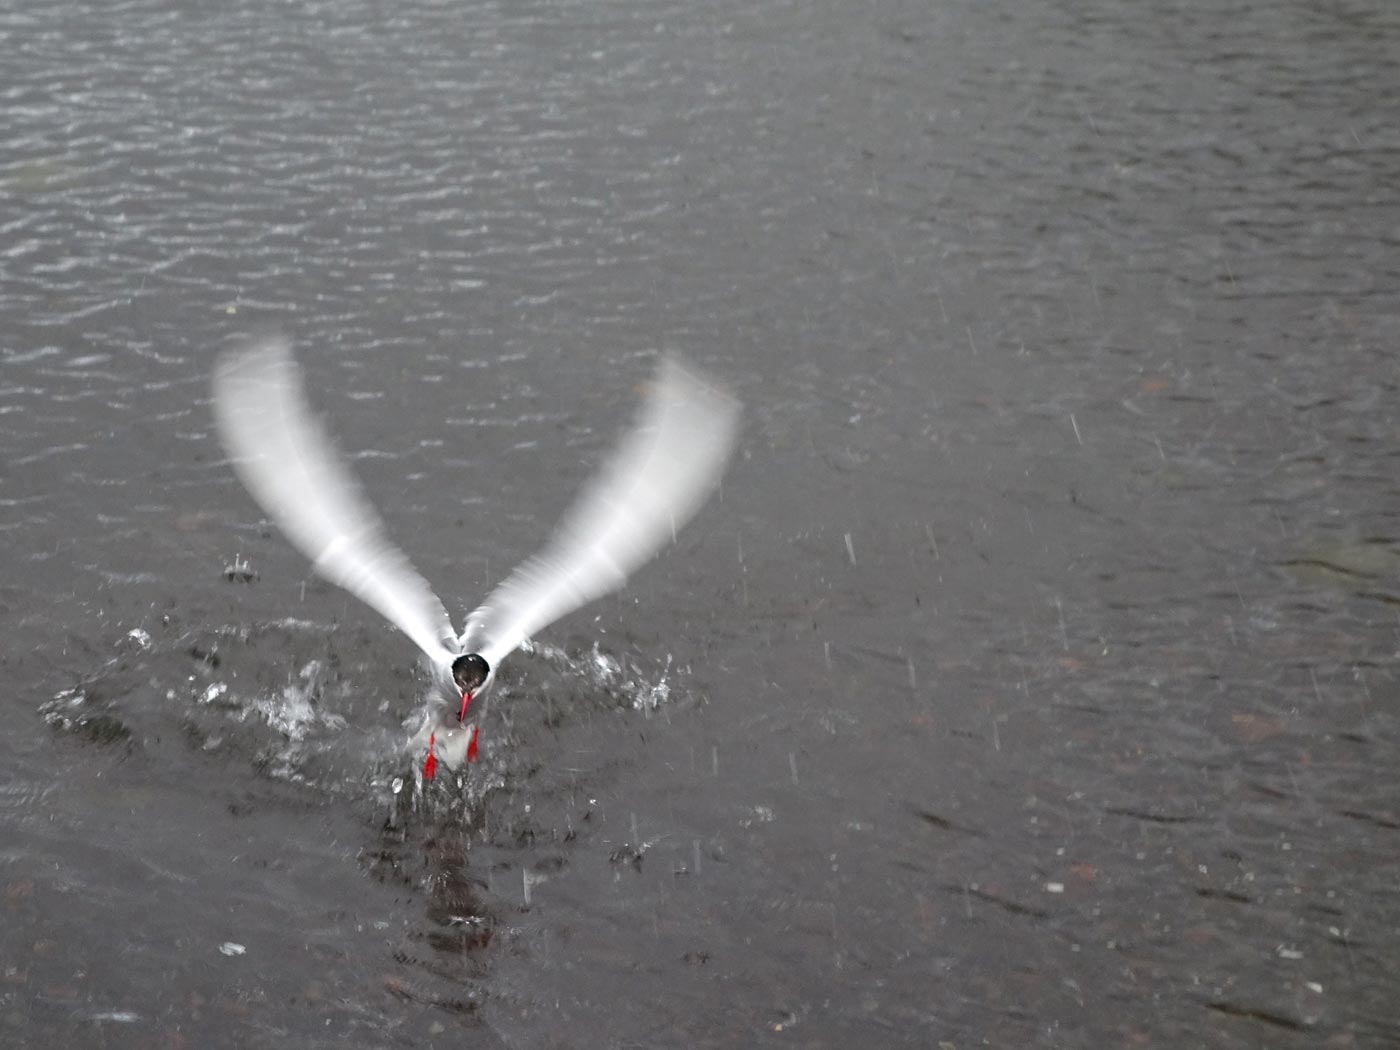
{"x":653,"y":483}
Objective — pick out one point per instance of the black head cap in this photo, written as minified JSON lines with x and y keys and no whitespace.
{"x":468,"y":672}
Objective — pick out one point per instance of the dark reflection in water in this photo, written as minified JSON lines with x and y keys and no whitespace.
{"x":1031,"y":685}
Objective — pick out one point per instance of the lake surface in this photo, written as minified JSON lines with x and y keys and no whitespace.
{"x":1034,"y":682}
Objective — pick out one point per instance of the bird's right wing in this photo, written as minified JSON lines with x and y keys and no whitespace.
{"x":653,"y":484}
{"x":282,"y":453}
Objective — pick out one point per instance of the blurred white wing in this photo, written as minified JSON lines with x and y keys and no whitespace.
{"x":653,"y":484}
{"x":290,"y":466}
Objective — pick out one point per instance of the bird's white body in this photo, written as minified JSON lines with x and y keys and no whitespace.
{"x":654,"y":482}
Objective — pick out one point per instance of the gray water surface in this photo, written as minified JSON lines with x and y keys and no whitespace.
{"x":1033,"y":683}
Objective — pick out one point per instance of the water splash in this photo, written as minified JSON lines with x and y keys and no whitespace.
{"x":342,"y":721}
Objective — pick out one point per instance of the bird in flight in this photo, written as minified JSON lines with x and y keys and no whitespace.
{"x":656,"y":479}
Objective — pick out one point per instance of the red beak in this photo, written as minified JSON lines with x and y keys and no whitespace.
{"x":466,"y":703}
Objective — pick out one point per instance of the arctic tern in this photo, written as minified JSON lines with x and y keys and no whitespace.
{"x":653,"y":483}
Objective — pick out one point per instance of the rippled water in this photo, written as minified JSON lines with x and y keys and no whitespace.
{"x":1032,"y":684}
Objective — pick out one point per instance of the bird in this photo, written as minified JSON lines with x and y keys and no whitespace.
{"x":654,"y":481}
